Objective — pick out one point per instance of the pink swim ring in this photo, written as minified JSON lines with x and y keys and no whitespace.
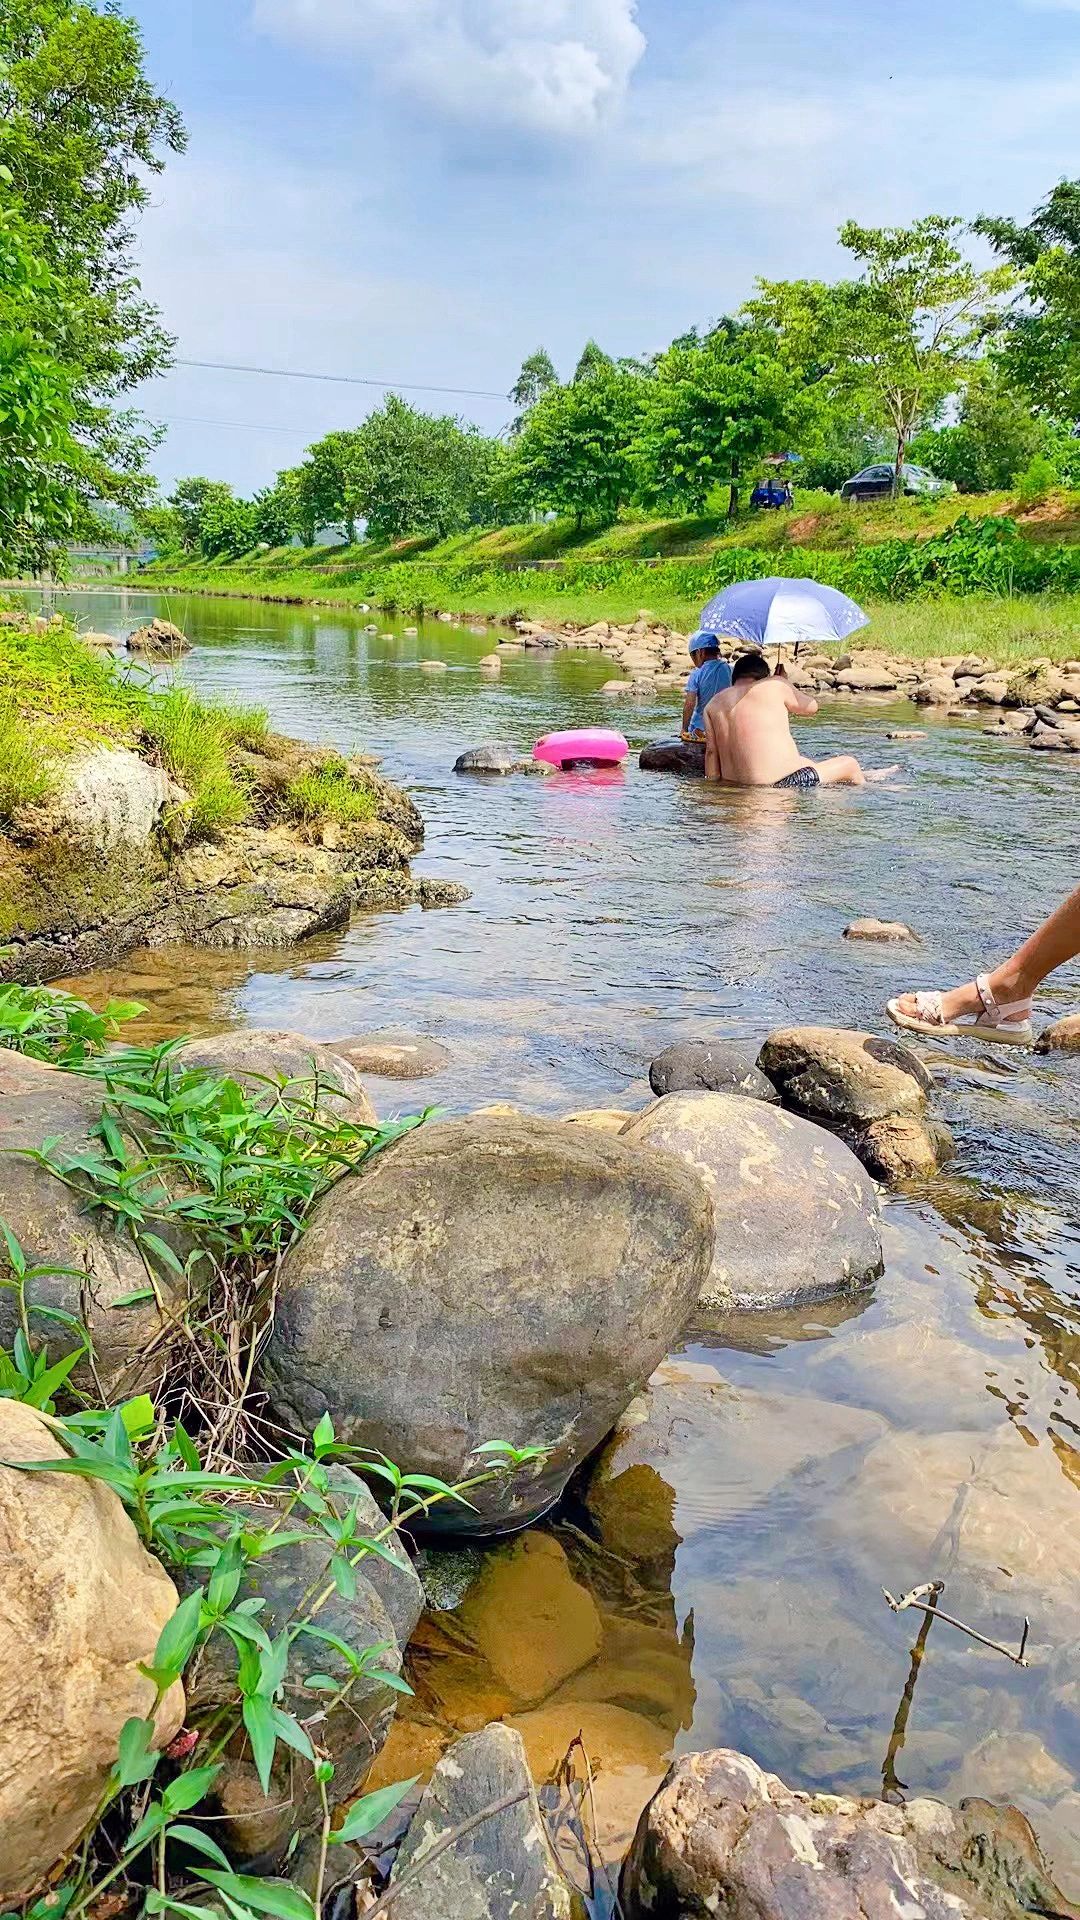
{"x":600,"y":745}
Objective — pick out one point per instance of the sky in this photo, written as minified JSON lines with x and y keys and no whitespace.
{"x":424,"y":191}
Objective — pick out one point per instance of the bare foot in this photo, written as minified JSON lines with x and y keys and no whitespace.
{"x":877,"y":774}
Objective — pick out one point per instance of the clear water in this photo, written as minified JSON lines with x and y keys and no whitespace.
{"x":613,"y":913}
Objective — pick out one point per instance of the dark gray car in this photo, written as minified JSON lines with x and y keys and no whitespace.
{"x":874,"y":483}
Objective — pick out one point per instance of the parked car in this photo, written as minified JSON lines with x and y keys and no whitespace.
{"x":873,"y":483}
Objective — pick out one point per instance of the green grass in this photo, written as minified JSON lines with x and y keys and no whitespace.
{"x":326,"y":793}
{"x":58,"y":696}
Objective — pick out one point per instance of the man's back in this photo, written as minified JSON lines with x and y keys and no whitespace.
{"x":748,"y":733}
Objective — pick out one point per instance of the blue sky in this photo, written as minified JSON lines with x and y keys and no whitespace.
{"x":425,"y":190}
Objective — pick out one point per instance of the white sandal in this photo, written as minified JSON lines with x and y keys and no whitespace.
{"x":1009,"y":1024}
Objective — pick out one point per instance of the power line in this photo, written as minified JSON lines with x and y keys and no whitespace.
{"x":250,"y":426}
{"x":341,"y":379}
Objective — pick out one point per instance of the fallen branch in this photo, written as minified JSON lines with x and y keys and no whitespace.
{"x":924,"y":1599}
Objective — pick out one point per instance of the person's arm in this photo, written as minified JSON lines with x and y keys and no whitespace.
{"x":794,"y":701}
{"x":688,"y":711}
{"x":713,"y":769}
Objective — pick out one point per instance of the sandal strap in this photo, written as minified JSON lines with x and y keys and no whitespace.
{"x":986,"y":993}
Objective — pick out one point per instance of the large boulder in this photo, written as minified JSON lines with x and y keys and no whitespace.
{"x":874,"y":1092}
{"x":488,"y":1279}
{"x":382,"y":1611}
{"x":503,"y":1865}
{"x":81,"y":1605}
{"x":711,"y":1066}
{"x":796,"y":1217}
{"x":315,"y":1075}
{"x":723,"y":1836}
{"x":85,"y":1266}
{"x":1062,"y":1037}
{"x":674,"y":756}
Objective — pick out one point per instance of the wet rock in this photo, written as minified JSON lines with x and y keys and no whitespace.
{"x":486,"y":759}
{"x":723,"y":1835}
{"x":81,"y":1604}
{"x":531,"y":1581}
{"x":906,"y":733}
{"x":885,"y":930}
{"x":442,"y":893}
{"x":383,"y":1611}
{"x":599,"y":1119}
{"x":392,"y":1054}
{"x":159,"y":640}
{"x":711,"y":1066}
{"x":50,"y":1221}
{"x":315,"y":1075}
{"x":490,"y":663}
{"x":674,"y":1435}
{"x":612,"y":687}
{"x":873,"y":1092}
{"x":447,"y":1573}
{"x":505,"y":1865}
{"x":673,"y":756}
{"x":914,"y":1372}
{"x":796,"y":1217}
{"x":505,"y":1279}
{"x":1062,"y":1037}
{"x":92,"y":639}
{"x":990,"y":1514}
{"x":432,"y":666}
{"x":1004,"y":1765}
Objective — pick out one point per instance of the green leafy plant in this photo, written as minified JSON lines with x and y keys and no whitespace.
{"x":328,"y":792}
{"x":56,"y":1027}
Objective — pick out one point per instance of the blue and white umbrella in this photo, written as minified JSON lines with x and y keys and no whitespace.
{"x":782,"y":613}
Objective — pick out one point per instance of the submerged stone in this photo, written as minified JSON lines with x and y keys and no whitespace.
{"x":673,"y":756}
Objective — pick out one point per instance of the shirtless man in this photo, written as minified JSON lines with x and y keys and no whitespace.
{"x":748,"y":739}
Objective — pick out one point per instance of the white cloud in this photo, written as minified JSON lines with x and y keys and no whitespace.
{"x":548,"y":67}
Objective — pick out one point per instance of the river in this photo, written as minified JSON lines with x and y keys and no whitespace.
{"x":610,"y":915}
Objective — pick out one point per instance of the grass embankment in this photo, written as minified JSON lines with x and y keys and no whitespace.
{"x":59,"y":697}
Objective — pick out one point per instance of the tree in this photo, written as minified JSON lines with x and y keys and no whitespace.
{"x":38,"y":456}
{"x":275,"y":511}
{"x":592,"y":361}
{"x":1042,"y":335}
{"x":536,"y":376}
{"x":81,"y":131}
{"x":575,"y":453}
{"x":900,"y":339}
{"x":994,"y":439}
{"x":713,"y":407}
{"x":227,"y":525}
{"x":332,"y":481}
{"x":188,"y":502}
{"x":418,"y":473}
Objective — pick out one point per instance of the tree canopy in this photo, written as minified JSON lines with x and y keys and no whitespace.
{"x":1041,"y":345}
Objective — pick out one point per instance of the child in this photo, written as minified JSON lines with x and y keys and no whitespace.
{"x":710,"y":676}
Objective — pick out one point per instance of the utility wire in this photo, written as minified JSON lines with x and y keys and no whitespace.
{"x":341,"y":379}
{"x":250,"y":426}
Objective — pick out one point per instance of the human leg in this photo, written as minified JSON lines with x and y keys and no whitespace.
{"x":841,"y":770}
{"x":1012,"y":984}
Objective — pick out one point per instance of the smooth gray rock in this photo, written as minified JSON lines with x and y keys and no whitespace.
{"x":506,"y":1866}
{"x":52,"y":1224}
{"x":260,"y":1057}
{"x":712,"y":1066}
{"x":502,"y":1279}
{"x":723,"y":1836}
{"x":393,"y":1054}
{"x":490,"y":758}
{"x":673,"y":756}
{"x":796,"y":1216}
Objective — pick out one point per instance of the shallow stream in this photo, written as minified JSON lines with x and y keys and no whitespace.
{"x":934,"y":1424}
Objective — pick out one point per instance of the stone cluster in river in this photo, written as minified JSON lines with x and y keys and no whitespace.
{"x":111,"y":862}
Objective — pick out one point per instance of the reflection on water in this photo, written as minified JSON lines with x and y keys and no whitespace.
{"x":725,"y":1587}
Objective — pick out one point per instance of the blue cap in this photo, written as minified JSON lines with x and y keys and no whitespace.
{"x":703,"y":642}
